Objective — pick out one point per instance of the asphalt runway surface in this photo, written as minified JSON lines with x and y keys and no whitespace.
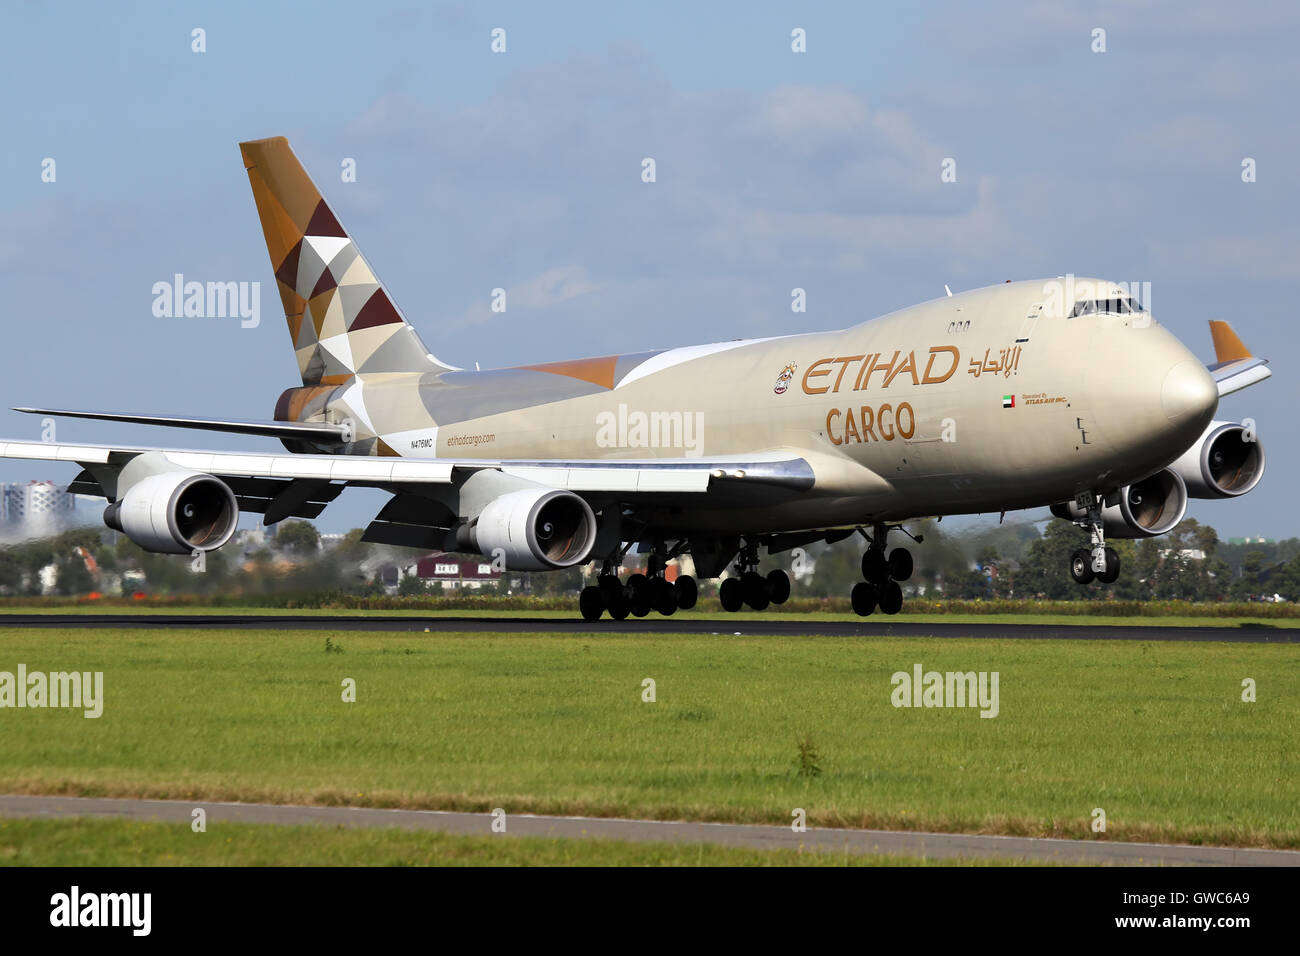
{"x":791,"y":625}
{"x":928,"y":845}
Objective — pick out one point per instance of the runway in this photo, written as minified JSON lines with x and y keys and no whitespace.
{"x":790,"y":625}
{"x":929,"y":845}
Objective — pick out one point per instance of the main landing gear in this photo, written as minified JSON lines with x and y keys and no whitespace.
{"x":751,"y":587}
{"x":1098,"y":562}
{"x":881,"y":574}
{"x":641,"y":594}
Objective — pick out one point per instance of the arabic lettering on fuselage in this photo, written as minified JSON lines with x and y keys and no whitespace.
{"x":1007,"y":362}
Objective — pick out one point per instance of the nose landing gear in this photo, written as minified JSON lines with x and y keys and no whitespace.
{"x":1098,"y":562}
{"x":881,"y":574}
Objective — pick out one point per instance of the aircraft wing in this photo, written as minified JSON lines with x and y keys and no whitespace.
{"x":319,"y":431}
{"x":288,"y":485}
{"x":1234,"y":367}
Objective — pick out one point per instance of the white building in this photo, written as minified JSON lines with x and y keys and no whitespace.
{"x":36,"y":507}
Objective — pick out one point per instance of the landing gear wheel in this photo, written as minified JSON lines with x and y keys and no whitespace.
{"x":1111,"y":573}
{"x":755,"y":590}
{"x":900,"y":564}
{"x":875,"y":569}
{"x":778,"y":586}
{"x":731,"y":594}
{"x":591,"y":603}
{"x":891,"y":598}
{"x":619,"y":608}
{"x":688,"y":592}
{"x":638,"y":590}
{"x":659,"y":591}
{"x":1081,"y":566}
{"x":863,"y":597}
{"x":611,"y":588}
{"x":666,"y":602}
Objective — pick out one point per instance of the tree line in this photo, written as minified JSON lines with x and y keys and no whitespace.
{"x":1012,"y":560}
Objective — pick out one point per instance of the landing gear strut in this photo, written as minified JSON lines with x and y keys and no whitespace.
{"x":1097,"y":562}
{"x":881,"y":574}
{"x":752,"y":587}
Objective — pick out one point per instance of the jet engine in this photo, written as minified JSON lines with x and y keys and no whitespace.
{"x":1226,"y":461}
{"x":536,"y":529}
{"x":176,"y":512}
{"x":1144,"y":509}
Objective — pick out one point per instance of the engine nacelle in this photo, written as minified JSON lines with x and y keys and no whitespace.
{"x":1144,"y":509}
{"x":1226,"y":461}
{"x":176,"y":512}
{"x":537,"y":529}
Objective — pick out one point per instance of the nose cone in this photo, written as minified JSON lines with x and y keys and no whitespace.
{"x":1189,"y":394}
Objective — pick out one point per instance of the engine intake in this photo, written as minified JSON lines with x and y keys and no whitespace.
{"x":537,"y":529}
{"x":176,"y":512}
{"x":1227,"y":461}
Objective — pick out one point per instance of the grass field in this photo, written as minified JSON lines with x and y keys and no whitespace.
{"x":1153,"y":733}
{"x":97,"y":842}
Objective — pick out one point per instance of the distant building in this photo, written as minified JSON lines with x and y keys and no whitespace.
{"x":454,"y":571}
{"x":36,"y":507}
{"x":1252,"y":541}
{"x":1187,"y":554}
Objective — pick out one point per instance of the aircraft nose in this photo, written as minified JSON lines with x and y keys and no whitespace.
{"x":1189,"y":393}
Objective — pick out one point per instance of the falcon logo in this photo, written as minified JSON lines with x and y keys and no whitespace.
{"x":785,"y":378}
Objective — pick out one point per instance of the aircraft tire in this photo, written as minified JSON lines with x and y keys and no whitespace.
{"x":778,"y":586}
{"x":1081,"y":566}
{"x":1111,"y":573}
{"x":731,"y":595}
{"x":900,"y":564}
{"x":875,"y":569}
{"x":891,"y":598}
{"x":591,"y":603}
{"x":863,"y":597}
{"x":755,"y":590}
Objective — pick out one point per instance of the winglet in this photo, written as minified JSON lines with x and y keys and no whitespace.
{"x":1227,"y":346}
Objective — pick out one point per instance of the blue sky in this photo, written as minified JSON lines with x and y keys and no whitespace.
{"x":521,"y":170}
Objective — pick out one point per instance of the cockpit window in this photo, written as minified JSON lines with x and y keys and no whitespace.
{"x":1118,"y":306}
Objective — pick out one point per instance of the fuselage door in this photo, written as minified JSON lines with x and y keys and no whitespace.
{"x":1027,"y":326}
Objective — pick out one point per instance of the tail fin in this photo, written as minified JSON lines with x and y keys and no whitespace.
{"x":340,"y":318}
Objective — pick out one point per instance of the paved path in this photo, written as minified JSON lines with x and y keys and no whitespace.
{"x":932,"y":845}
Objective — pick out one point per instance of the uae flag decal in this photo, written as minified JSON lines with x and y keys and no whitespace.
{"x":1008,"y":401}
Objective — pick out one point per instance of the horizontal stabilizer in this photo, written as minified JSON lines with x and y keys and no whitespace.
{"x":306,"y":431}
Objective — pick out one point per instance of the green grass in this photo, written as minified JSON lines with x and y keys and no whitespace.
{"x":707,"y":611}
{"x":1154,"y":733}
{"x":98,"y":842}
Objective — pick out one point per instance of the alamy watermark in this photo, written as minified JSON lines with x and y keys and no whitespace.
{"x":637,"y":429}
{"x":949,"y":689}
{"x":208,"y":300}
{"x":130,"y":910}
{"x":81,"y":690}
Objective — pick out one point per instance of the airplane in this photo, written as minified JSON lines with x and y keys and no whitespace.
{"x":1062,"y":392}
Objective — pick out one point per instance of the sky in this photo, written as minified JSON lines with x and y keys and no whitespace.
{"x":522,"y":170}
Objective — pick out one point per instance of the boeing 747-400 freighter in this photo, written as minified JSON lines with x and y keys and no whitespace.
{"x":1061,"y":392}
